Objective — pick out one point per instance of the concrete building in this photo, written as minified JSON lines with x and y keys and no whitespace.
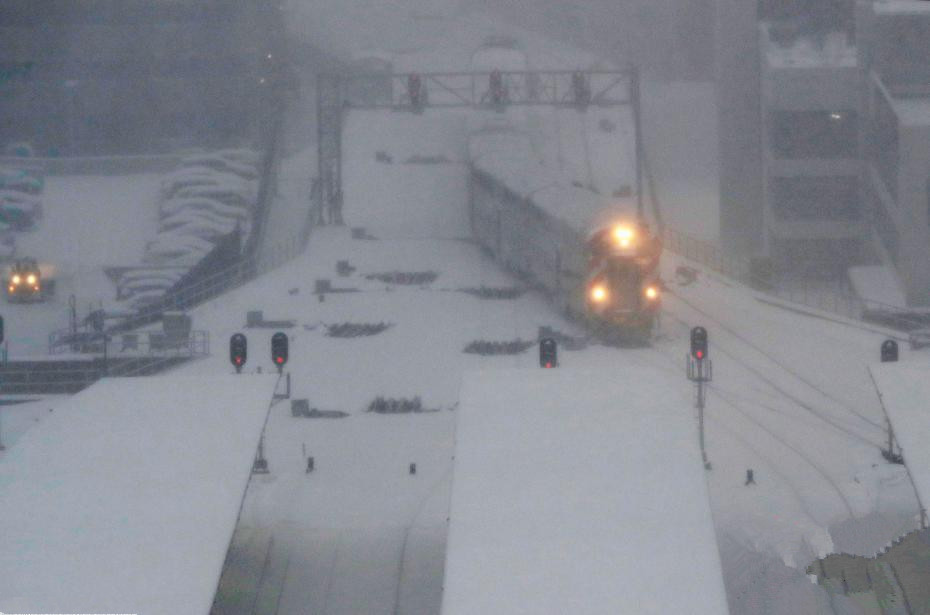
{"x":788,"y":104}
{"x":824,"y":116}
{"x":894,"y":53}
{"x":739,"y":125}
{"x":812,"y":219}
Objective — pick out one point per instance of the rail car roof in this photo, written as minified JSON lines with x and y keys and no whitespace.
{"x":507,"y":156}
{"x":578,"y":491}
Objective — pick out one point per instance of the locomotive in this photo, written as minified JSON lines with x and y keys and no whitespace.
{"x":592,"y":255}
{"x":27,"y":282}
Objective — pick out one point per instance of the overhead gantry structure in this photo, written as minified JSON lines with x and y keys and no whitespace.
{"x":490,"y":90}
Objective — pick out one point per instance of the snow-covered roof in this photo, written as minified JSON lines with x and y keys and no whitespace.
{"x":905,"y":392}
{"x":221,"y":164}
{"x":124,"y":500}
{"x":901,"y":7}
{"x":508,"y":156}
{"x":579,"y":492}
{"x":429,"y":38}
{"x":834,"y":50}
{"x":913,"y":111}
{"x":215,"y":207}
{"x":877,"y":286}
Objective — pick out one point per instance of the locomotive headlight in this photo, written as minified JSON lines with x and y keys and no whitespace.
{"x":31,"y":279}
{"x":652,"y":293}
{"x":17,"y":280}
{"x":598,"y":294}
{"x":623,"y":235}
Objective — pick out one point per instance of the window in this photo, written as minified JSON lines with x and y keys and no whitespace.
{"x":816,"y":198}
{"x":815,"y":134}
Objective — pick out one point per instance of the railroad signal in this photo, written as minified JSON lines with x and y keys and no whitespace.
{"x":581,"y":89}
{"x":699,"y":343}
{"x":496,"y":83}
{"x":889,"y":351}
{"x":548,"y":353}
{"x":700,"y":371}
{"x":238,"y":351}
{"x":415,"y":90}
{"x":279,"y":349}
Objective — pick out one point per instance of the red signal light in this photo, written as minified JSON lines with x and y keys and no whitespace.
{"x":548,"y":364}
{"x":699,"y":354}
{"x":279,"y":359}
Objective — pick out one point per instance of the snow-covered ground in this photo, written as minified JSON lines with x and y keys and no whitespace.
{"x":904,"y":394}
{"x":89,"y":222}
{"x":791,"y":398}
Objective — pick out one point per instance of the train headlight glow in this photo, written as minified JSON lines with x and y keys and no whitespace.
{"x":623,"y":235}
{"x":17,"y":279}
{"x":31,"y":279}
{"x":598,"y":294}
{"x":652,"y":293}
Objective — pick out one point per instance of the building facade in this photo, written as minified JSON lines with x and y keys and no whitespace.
{"x":824,"y":119}
{"x":125,"y":76}
{"x":813,"y":221}
{"x":894,"y":55}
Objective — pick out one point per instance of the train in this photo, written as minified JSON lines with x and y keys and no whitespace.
{"x":592,"y":254}
{"x":27,"y":282}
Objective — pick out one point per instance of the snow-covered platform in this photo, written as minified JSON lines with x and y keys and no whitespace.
{"x":125,"y":499}
{"x":579,"y":492}
{"x":905,"y":392}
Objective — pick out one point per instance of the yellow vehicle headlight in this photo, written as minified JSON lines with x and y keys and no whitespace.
{"x":651,"y":292}
{"x":17,"y":279}
{"x":598,"y":293}
{"x":31,"y":279}
{"x":624,"y":236}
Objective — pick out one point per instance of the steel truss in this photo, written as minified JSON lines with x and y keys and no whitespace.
{"x":496,"y":90}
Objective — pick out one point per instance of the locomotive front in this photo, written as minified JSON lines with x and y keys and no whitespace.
{"x":623,"y":294}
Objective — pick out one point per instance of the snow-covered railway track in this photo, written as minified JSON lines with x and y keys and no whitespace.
{"x":821,"y":414}
{"x":672,"y":364}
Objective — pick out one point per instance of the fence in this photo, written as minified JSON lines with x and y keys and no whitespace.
{"x":98,"y":165}
{"x":209,"y":283}
{"x":69,"y":376}
{"x":836,"y":298}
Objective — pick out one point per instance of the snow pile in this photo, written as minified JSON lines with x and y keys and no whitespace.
{"x":21,"y":187}
{"x":788,"y":48}
{"x":125,"y":498}
{"x":209,"y":196}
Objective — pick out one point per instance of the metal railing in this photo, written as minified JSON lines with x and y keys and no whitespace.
{"x":834,"y":297}
{"x":101,"y":355}
{"x":253,"y":261}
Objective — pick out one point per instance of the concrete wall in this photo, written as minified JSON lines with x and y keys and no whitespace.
{"x":740,"y":126}
{"x":913,"y":175}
